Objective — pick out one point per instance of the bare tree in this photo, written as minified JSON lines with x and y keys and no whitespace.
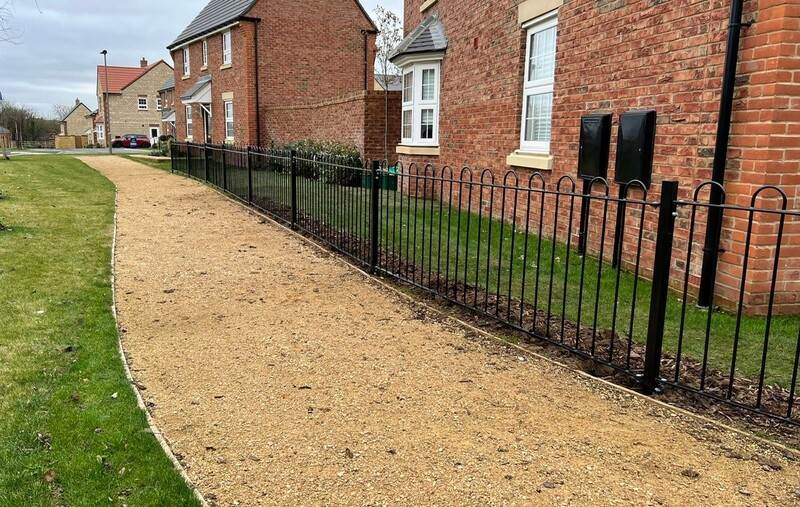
{"x":390,"y":34}
{"x":7,"y":34}
{"x":60,"y":111}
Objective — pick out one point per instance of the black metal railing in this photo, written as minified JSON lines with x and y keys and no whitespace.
{"x":512,"y":250}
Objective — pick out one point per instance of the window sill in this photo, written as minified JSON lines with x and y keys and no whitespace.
{"x":531,"y":160}
{"x":404,"y":149}
{"x":427,"y":5}
{"x":188,"y":76}
{"x":226,"y":66}
{"x":189,"y":139}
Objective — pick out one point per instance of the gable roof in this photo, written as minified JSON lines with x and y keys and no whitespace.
{"x":218,"y":13}
{"x":120,"y":78}
{"x":428,"y":37}
{"x":79,"y":104}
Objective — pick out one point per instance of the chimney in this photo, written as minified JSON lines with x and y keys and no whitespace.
{"x":77,"y":102}
{"x":143,"y":63}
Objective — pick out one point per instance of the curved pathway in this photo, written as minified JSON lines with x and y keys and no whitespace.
{"x":281,"y":376}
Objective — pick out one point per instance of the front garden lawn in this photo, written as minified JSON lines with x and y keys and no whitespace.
{"x":71,"y":432}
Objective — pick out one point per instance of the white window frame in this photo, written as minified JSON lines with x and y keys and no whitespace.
{"x":205,"y":53}
{"x":227,"y":48}
{"x":230,"y":126}
{"x":101,"y":132}
{"x":536,"y":87}
{"x":189,"y":123}
{"x":416,"y":105}
{"x":187,"y":62}
{"x":143,"y":106}
{"x":159,"y":105}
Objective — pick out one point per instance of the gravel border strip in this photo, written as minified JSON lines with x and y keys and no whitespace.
{"x":154,"y":429}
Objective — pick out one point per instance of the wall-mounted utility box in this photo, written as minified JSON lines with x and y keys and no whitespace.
{"x":635,"y":146}
{"x":594,"y":146}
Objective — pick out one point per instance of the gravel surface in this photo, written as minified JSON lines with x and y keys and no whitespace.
{"x":281,"y":376}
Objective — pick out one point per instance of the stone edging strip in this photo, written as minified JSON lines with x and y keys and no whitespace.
{"x":139,"y":399}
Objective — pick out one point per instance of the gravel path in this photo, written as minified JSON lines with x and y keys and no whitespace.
{"x":281,"y":376}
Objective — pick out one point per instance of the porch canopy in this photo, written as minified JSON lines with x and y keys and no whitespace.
{"x":199,"y":93}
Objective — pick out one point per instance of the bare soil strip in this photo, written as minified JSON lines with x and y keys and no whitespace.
{"x":281,"y":376}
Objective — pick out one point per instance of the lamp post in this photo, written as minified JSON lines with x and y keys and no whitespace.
{"x":105,"y":105}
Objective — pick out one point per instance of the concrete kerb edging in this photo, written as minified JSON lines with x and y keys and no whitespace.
{"x":501,"y":340}
{"x":129,"y":375}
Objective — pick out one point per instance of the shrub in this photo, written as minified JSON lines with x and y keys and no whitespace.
{"x":333,"y":162}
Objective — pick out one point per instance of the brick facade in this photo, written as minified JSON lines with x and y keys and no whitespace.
{"x":293,"y":72}
{"x":126,"y":118}
{"x":614,"y":56}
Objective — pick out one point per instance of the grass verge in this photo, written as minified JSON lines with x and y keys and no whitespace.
{"x":71,"y":432}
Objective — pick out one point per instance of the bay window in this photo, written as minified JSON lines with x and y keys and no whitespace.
{"x":537,"y":104}
{"x":420,"y":122}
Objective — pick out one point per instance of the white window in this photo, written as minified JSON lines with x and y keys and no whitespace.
{"x":421,"y":104}
{"x":187,"y":64}
{"x":205,"y":53}
{"x":159,"y":107}
{"x":143,"y":104}
{"x":101,"y":132}
{"x":229,"y":128}
{"x":227,"y":55}
{"x":537,"y":102}
{"x":189,"y":126}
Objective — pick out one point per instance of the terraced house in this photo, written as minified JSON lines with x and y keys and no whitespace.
{"x":504,"y":84}
{"x":271,"y":72}
{"x":134,"y":105}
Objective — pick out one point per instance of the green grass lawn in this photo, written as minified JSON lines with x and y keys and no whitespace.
{"x":164,"y":165}
{"x":428,"y":236}
{"x":71,"y":432}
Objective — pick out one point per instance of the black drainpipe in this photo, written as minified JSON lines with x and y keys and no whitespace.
{"x":366,"y":34}
{"x":714,"y":228}
{"x":256,"y":22}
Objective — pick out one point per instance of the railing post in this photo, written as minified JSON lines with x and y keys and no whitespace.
{"x":294,"y":188}
{"x":188,"y":159}
{"x":224,"y":169}
{"x":172,"y":158}
{"x":205,"y":162}
{"x":374,"y":232}
{"x":249,"y":176}
{"x":658,"y":300}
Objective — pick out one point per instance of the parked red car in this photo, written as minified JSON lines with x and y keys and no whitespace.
{"x":131,"y":141}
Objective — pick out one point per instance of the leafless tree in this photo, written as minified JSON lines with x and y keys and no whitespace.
{"x":60,"y":111}
{"x":390,"y":34}
{"x":7,"y":34}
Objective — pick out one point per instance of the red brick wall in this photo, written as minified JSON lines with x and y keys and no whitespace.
{"x":239,"y":79}
{"x":357,"y":119}
{"x":639,"y":54}
{"x":310,"y":52}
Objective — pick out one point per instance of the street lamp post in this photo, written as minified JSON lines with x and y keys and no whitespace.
{"x":105,"y":105}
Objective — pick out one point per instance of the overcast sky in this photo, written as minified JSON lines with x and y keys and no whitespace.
{"x":60,"y":40}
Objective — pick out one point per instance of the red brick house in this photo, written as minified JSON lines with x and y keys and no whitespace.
{"x":271,"y":72}
{"x":503,"y":84}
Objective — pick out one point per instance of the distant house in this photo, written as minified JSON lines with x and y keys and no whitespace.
{"x":276,"y":71}
{"x":167,"y":95}
{"x":77,"y":122}
{"x":134,"y":104}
